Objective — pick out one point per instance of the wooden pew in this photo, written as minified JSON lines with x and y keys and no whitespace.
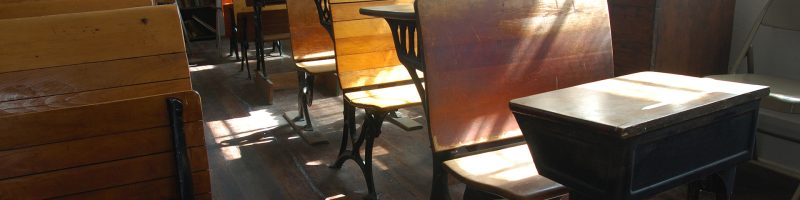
{"x":312,"y":51}
{"x":31,"y":8}
{"x":476,"y":60}
{"x":84,"y":109}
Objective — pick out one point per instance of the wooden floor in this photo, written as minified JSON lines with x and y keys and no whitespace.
{"x":254,"y":154}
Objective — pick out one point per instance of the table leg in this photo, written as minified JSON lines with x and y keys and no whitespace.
{"x":725,"y":180}
{"x":574,"y":195}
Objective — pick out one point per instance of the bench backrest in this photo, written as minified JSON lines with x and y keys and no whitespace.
{"x":310,"y":40}
{"x":480,"y":55}
{"x":361,"y":42}
{"x":83,"y":107}
{"x":31,"y":8}
{"x":111,"y":150}
{"x":90,"y":57}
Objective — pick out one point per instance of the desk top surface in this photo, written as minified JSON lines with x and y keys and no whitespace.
{"x":630,"y":105}
{"x":399,"y":11}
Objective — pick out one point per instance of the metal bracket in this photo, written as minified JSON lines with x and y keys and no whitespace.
{"x":175,"y":110}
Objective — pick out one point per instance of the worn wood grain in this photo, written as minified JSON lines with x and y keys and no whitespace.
{"x":156,"y":189}
{"x":45,"y":103}
{"x":310,"y":40}
{"x":480,"y":60}
{"x":93,"y":120}
{"x":104,"y":175}
{"x":92,"y":76}
{"x":77,"y":38}
{"x":57,"y":156}
{"x":32,"y":8}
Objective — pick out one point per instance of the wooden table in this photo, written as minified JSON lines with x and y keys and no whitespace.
{"x":634,"y":136}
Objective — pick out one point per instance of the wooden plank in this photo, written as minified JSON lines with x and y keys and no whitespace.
{"x":94,"y":177}
{"x":360,"y":28}
{"x":57,"y":40}
{"x":92,"y":76}
{"x":18,"y":131}
{"x":309,"y":39}
{"x":46,"y":103}
{"x":57,"y":156}
{"x":535,"y":46}
{"x":372,"y":60}
{"x":165,"y":188}
{"x":31,"y":8}
{"x":364,"y":44}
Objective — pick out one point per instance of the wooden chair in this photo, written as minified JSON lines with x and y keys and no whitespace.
{"x":779,"y":120}
{"x":475,"y":61}
{"x":369,"y":73}
{"x":17,"y":9}
{"x":312,"y":51}
{"x":82,"y":118}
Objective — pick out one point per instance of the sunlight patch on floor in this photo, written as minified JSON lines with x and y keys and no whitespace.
{"x":244,"y":131}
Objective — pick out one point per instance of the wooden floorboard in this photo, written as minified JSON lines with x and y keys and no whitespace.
{"x":254,"y":154}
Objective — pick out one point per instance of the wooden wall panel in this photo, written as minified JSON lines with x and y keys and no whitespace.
{"x":69,"y":39}
{"x":309,"y":39}
{"x":31,"y":8}
{"x":477,"y":60}
{"x":18,"y":131}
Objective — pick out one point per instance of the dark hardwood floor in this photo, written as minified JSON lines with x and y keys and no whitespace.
{"x":254,"y":154}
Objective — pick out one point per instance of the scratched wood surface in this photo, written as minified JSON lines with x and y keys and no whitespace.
{"x":310,"y":41}
{"x":32,"y":8}
{"x":476,"y":61}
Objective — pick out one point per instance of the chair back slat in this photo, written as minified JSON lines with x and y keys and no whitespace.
{"x":309,"y":39}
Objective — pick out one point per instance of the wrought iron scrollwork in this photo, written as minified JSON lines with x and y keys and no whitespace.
{"x":325,"y":16}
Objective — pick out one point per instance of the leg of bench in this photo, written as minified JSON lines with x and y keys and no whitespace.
{"x":439,"y":189}
{"x":796,"y":193}
{"x":369,"y":131}
{"x":175,"y":110}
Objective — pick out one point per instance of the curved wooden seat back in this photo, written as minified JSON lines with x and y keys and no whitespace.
{"x":481,"y":54}
{"x":67,"y":60}
{"x":310,"y":41}
{"x":361,"y":42}
{"x":31,"y":8}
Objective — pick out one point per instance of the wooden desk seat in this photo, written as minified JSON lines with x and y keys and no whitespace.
{"x":388,"y":98}
{"x":506,"y":172}
{"x":17,"y":9}
{"x":84,"y":110}
{"x":476,"y":61}
{"x":317,"y":66}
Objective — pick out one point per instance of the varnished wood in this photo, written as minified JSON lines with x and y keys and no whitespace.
{"x":58,"y":156}
{"x":638,"y":103}
{"x":92,"y":76}
{"x":374,"y":77}
{"x":477,"y":61}
{"x":69,"y":39}
{"x":156,"y":189}
{"x":109,"y":174}
{"x":350,"y":11}
{"x":509,"y":170}
{"x":318,"y":66}
{"x":32,"y":8}
{"x":389,"y":98}
{"x":46,"y":103}
{"x":310,"y":41}
{"x":92,"y":120}
{"x":399,"y":11}
{"x":683,"y":36}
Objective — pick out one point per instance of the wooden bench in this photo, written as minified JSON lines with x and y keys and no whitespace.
{"x":476,"y":61}
{"x":98,"y":105}
{"x":17,"y":9}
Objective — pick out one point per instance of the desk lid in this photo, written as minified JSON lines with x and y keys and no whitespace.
{"x":628,"y":105}
{"x":399,"y":11}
